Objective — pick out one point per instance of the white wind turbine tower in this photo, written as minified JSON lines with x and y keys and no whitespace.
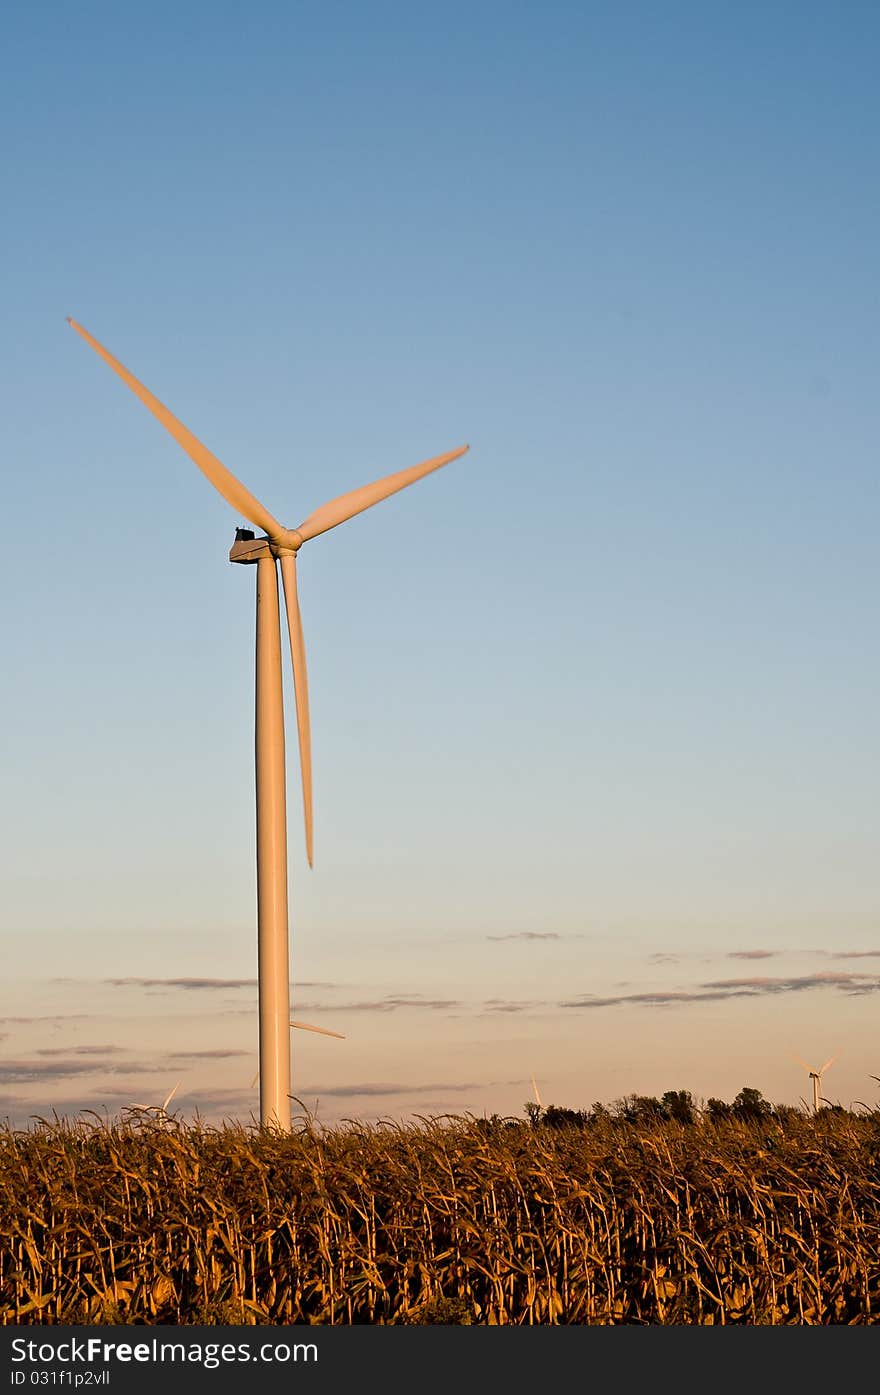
{"x":816,"y":1077}
{"x":279,"y":545}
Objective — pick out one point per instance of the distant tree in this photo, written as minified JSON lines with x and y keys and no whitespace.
{"x":679,"y":1106}
{"x":751,"y":1104}
{"x":556,"y":1117}
{"x":534,"y":1112}
{"x":638,"y":1109}
{"x":716,"y":1110}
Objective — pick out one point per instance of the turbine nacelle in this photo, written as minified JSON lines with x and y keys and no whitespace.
{"x":249,"y":548}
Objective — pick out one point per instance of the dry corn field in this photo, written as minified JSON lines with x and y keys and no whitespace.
{"x":452,"y":1221}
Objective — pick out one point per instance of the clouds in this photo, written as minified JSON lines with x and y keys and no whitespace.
{"x":50,"y":1065}
{"x":510,"y":1005}
{"x":220,"y":1054}
{"x":848,"y":983}
{"x":719,"y":990}
{"x":190,"y":984}
{"x":527,"y":935}
{"x":194,"y":985}
{"x":371,"y":1090}
{"x":657,"y":999}
{"x":150,"y":1029}
{"x":391,"y":1002}
{"x":30,"y":1071}
{"x":46,"y":1017}
{"x":665,"y":957}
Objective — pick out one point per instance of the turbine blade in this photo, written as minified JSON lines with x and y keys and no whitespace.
{"x":300,"y":688}
{"x":807,"y":1068}
{"x":325,"y":1031}
{"x":537,"y":1095}
{"x":822,"y":1069}
{"x":223,"y":480}
{"x":255,"y":1079}
{"x":169,"y":1097}
{"x":347,"y":505}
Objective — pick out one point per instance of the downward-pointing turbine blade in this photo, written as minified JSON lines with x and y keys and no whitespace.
{"x":223,"y":480}
{"x":300,"y":687}
{"x":347,"y":505}
{"x":325,"y":1031}
{"x":306,"y":1027}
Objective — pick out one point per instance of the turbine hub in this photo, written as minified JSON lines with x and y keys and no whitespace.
{"x":288,"y":541}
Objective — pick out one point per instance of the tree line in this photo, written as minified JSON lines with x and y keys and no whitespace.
{"x":675,"y":1106}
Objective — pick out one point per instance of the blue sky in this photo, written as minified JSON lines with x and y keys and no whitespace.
{"x":594,"y":708}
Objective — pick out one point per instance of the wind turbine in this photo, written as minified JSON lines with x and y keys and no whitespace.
{"x":537,"y":1093}
{"x":816,"y":1077}
{"x":279,"y":545}
{"x":162,"y":1108}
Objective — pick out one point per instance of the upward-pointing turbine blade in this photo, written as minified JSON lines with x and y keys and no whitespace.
{"x":300,"y":687}
{"x":347,"y":505}
{"x":822,"y":1069}
{"x":223,"y":480}
{"x":169,"y":1097}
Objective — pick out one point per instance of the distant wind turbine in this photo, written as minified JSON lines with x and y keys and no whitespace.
{"x":162,"y":1109}
{"x":816,"y":1077}
{"x":279,"y":545}
{"x":537,"y":1094}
